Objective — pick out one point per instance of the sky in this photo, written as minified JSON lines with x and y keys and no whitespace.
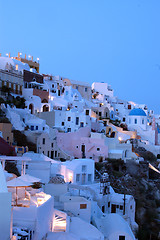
{"x":113,"y":41}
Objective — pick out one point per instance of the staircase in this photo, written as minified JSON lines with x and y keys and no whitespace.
{"x":60,"y":221}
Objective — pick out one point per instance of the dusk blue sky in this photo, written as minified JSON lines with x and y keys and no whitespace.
{"x":114,"y":41}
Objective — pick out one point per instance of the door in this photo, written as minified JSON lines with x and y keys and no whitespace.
{"x":52,"y":153}
{"x":113,"y":208}
{"x":103,"y":209}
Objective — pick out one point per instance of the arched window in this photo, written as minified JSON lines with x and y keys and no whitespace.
{"x":135,"y":120}
{"x":143,"y":121}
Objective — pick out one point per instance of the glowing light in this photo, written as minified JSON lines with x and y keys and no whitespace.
{"x":70,"y":176}
{"x":7,"y":54}
{"x":37,"y":59}
{"x":120,"y":139}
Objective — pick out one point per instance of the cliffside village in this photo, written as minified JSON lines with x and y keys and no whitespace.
{"x":57,"y":193}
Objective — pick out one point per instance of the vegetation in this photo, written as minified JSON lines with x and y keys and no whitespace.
{"x":21,"y":140}
{"x":144,"y":192}
{"x":11,"y":168}
{"x":115,"y":122}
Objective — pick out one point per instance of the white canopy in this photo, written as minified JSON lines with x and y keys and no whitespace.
{"x":29,"y":178}
{"x":16,"y":182}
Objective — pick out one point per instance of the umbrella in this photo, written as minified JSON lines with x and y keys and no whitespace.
{"x":16,"y":182}
{"x":29,"y":178}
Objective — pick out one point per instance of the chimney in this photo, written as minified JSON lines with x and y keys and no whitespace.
{"x":25,"y":56}
{"x":32,"y":58}
{"x":18,"y":54}
{"x":0,"y":54}
{"x":9,"y":55}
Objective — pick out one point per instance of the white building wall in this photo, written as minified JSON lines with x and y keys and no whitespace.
{"x":5,"y":215}
{"x":73,"y":204}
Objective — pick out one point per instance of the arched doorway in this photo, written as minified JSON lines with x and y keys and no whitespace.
{"x":31,"y":108}
{"x":45,"y":108}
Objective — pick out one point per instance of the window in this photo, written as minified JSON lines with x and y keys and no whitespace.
{"x":124,"y":119}
{"x":62,"y":123}
{"x":86,"y":89}
{"x":55,"y":153}
{"x":69,"y":119}
{"x":7,"y":138}
{"x":135,"y":120}
{"x":143,"y":121}
{"x":16,"y":66}
{"x":131,"y":207}
{"x":77,"y":120}
{"x":121,"y":207}
{"x":109,"y":204}
{"x":82,"y":124}
{"x":121,"y":237}
{"x":77,"y":87}
{"x":87,"y":112}
{"x":117,"y":206}
{"x":129,"y":106}
{"x":32,"y":128}
{"x":48,"y":153}
{"x":43,"y":128}
{"x":52,"y":145}
{"x":43,"y":141}
{"x":98,"y":149}
{"x":83,"y":206}
{"x":76,"y":146}
{"x":77,"y":177}
{"x":52,"y":85}
{"x":68,"y":129}
{"x":129,"y":121}
{"x":100,"y":114}
{"x":36,"y":127}
{"x":89,"y":177}
{"x":84,"y":168}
